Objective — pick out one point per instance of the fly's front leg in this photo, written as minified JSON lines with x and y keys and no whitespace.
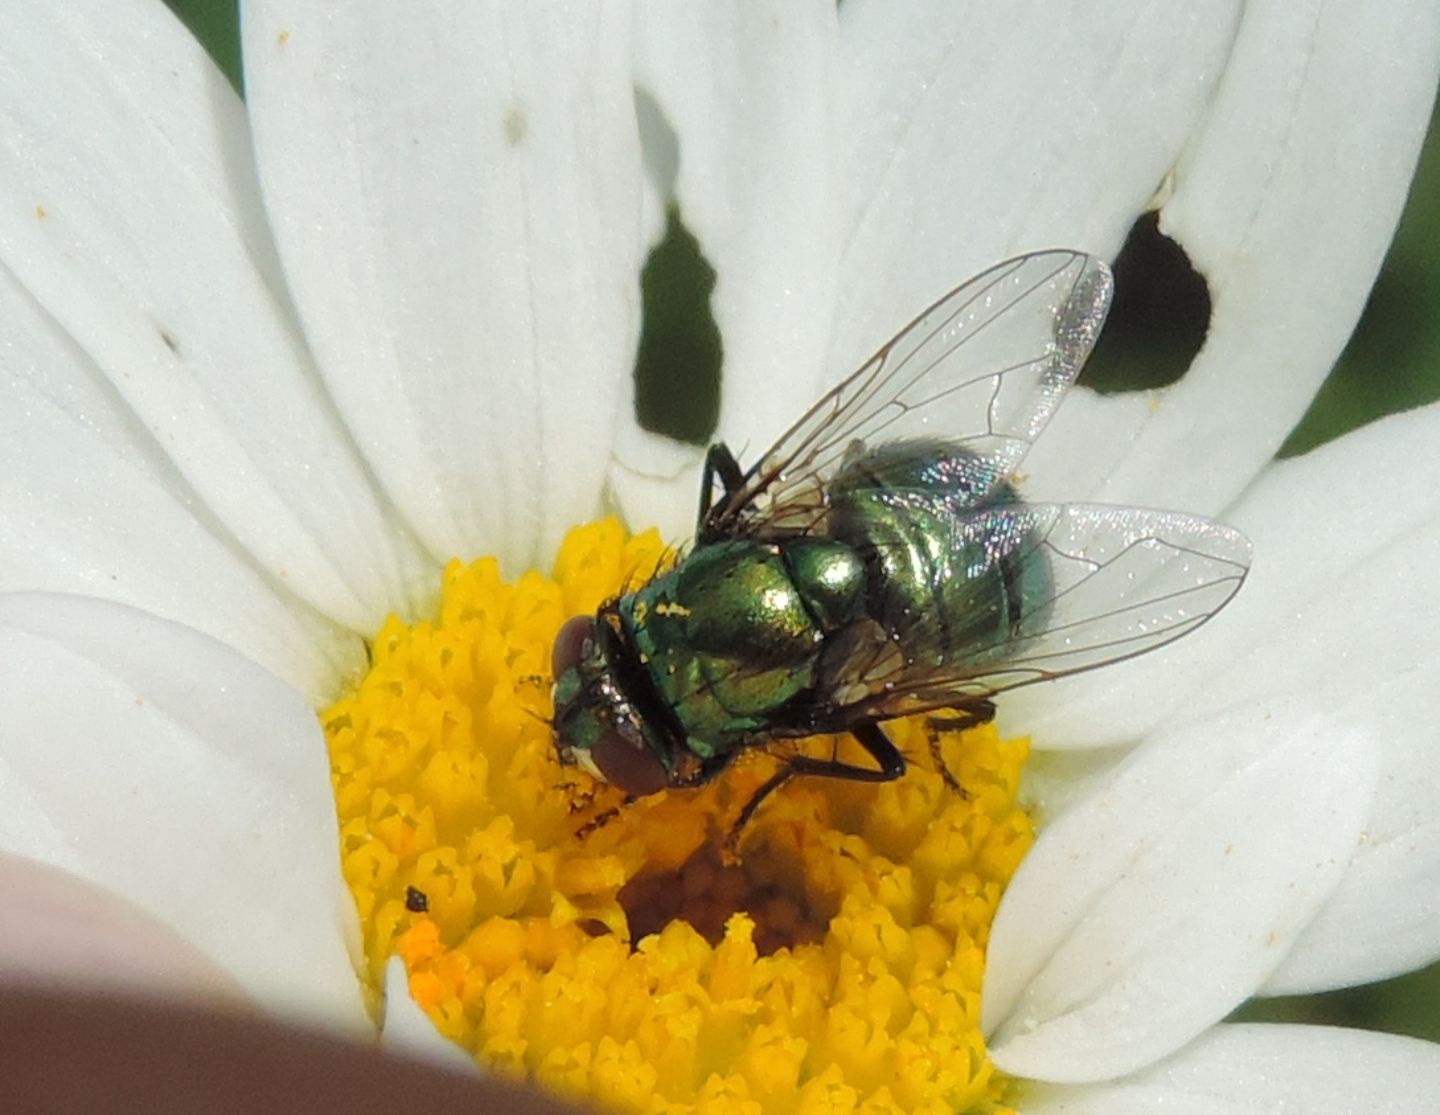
{"x":719,"y":461}
{"x":964,"y":718}
{"x":891,"y":765}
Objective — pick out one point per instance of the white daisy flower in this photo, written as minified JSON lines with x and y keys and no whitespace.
{"x":268,"y":366}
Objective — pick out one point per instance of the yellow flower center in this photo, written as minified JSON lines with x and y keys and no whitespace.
{"x":836,"y":968}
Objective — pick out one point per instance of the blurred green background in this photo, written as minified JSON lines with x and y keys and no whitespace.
{"x":1392,"y":363}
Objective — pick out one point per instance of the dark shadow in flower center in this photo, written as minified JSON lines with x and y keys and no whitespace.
{"x":768,"y":885}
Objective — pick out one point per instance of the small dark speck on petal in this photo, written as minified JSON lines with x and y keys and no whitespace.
{"x":515,"y":125}
{"x":170,"y":342}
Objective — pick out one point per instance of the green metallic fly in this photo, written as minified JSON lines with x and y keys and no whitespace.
{"x":871,"y":566}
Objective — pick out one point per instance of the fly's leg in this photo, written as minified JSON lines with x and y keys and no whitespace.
{"x":970,"y":715}
{"x":869,"y":736}
{"x":964,"y":718}
{"x":597,"y":822}
{"x":932,"y":739}
{"x":601,"y":819}
{"x":582,"y":799}
{"x":719,"y":461}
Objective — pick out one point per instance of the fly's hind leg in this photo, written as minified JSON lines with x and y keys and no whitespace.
{"x":962,"y":719}
{"x":891,"y":765}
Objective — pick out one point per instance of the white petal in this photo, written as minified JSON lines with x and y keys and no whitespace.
{"x":1345,"y":571}
{"x":59,"y":929}
{"x":656,"y":482}
{"x":972,"y":132}
{"x":132,"y":221}
{"x":747,"y":88}
{"x":1151,"y":909}
{"x":1056,"y":780}
{"x":1339,"y":606}
{"x":1336,"y":601}
{"x":407,"y":1029}
{"x":1355,"y":571}
{"x":1265,"y":1070}
{"x":455,"y":194}
{"x":154,"y":762}
{"x":1285,"y":201}
{"x":1385,"y":917}
{"x":87,"y":505}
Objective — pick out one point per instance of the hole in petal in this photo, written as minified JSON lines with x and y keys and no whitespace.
{"x":677,"y":367}
{"x":1158,"y":319}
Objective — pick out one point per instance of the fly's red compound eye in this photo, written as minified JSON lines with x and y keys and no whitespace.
{"x":629,"y":765}
{"x":570,"y":644}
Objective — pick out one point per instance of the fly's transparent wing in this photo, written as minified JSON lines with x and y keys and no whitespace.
{"x":1025,"y":593}
{"x":983,"y":368}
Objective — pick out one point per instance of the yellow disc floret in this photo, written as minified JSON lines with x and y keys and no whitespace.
{"x":611,"y":952}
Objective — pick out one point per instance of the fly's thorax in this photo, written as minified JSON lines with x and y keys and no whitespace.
{"x":830,"y":577}
{"x":598,"y":725}
{"x":732,"y":634}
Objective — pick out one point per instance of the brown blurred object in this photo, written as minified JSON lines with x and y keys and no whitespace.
{"x":62,"y":1051}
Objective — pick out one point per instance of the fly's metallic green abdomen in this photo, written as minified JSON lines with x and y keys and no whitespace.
{"x":898,"y":505}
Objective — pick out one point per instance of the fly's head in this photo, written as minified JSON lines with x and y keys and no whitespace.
{"x":597,"y":726}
